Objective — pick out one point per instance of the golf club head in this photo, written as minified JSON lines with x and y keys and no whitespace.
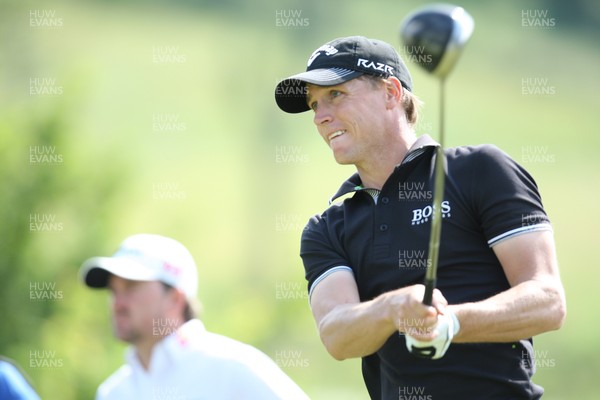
{"x":435,"y":35}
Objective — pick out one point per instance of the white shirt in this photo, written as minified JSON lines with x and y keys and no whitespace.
{"x":193,"y":364}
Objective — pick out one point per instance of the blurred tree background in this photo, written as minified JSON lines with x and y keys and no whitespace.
{"x":119,"y":117}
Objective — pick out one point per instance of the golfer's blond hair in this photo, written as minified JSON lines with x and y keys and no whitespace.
{"x":411,"y":103}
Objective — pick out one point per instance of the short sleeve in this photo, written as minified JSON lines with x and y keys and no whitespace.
{"x":506,"y":197}
{"x":13,"y":385}
{"x":320,"y":248}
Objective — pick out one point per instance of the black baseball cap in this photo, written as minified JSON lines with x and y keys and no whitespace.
{"x":339,"y":61}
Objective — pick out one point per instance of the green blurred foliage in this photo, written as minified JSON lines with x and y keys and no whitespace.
{"x":166,"y":123}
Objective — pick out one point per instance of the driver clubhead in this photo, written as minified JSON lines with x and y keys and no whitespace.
{"x":435,"y":35}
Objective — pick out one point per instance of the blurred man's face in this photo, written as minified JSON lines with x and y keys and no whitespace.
{"x":351,"y":118}
{"x":137,"y":307}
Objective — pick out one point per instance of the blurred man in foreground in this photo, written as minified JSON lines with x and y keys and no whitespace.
{"x":153,"y":282}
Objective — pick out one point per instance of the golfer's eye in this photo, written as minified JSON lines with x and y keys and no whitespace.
{"x":335,"y":93}
{"x":313,"y":106}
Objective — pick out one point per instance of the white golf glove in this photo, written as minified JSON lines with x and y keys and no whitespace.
{"x":447,"y":327}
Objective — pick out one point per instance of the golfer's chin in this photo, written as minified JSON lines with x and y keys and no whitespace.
{"x":342,"y":157}
{"x":124,"y":334}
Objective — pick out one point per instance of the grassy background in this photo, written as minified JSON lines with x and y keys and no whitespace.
{"x":220,"y":183}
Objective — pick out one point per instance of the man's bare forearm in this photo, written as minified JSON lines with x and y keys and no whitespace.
{"x":523,"y":311}
{"x":356,"y":330}
{"x":359,"y":329}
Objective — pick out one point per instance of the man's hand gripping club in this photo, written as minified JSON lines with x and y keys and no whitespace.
{"x":432,"y":342}
{"x":447,"y":327}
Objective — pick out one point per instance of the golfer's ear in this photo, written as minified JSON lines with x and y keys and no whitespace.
{"x":177,"y":298}
{"x":393,"y":90}
{"x":180,"y":297}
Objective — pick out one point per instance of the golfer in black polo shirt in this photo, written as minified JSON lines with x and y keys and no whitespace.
{"x":365,"y":257}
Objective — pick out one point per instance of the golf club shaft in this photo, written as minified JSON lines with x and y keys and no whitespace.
{"x":436,"y":223}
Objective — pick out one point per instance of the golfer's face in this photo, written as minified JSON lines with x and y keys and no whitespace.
{"x":349,"y":118}
{"x":135,"y":306}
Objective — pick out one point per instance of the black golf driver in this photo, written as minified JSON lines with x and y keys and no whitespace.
{"x":436,"y":34}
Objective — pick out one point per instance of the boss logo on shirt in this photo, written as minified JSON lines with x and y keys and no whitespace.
{"x":422,"y":215}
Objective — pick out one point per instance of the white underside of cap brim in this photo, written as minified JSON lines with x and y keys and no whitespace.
{"x":124,"y":267}
{"x":326,"y":77}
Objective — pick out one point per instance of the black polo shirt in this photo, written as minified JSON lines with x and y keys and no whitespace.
{"x":382,"y":237}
